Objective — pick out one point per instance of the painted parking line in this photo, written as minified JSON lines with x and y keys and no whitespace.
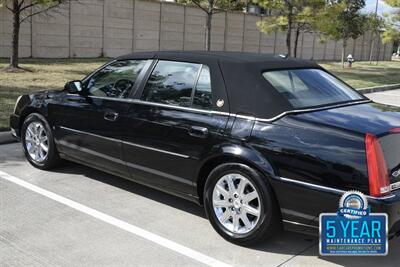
{"x":183,"y":250}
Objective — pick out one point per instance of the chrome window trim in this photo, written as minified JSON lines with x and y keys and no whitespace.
{"x":110,"y":98}
{"x":327,"y":188}
{"x":142,"y":102}
{"x":124,"y":142}
{"x":312,"y":109}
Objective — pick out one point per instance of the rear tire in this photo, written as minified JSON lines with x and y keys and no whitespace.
{"x":240,"y":204}
{"x":38,"y":142}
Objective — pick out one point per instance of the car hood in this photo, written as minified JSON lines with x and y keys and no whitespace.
{"x":369,"y":117}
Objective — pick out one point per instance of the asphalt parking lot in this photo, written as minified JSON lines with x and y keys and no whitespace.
{"x":77,"y":216}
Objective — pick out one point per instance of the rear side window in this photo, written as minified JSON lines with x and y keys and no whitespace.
{"x":305,"y":88}
{"x":203,"y":96}
{"x":116,"y":79}
{"x":172,"y":83}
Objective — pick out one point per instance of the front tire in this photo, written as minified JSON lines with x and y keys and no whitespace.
{"x":38,"y":142}
{"x":240,"y":204}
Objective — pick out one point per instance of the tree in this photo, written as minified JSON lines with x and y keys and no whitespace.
{"x":19,"y":9}
{"x":289,"y":15}
{"x":392,"y":28}
{"x":392,"y":35}
{"x":393,"y":3}
{"x":211,"y":7}
{"x":375,"y":24}
{"x":342,"y":20}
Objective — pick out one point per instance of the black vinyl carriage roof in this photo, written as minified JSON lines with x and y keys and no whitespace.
{"x":248,"y":91}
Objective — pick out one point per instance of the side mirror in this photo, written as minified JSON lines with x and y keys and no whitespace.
{"x":73,"y":87}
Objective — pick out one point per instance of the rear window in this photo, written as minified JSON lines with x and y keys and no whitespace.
{"x":305,"y":88}
{"x":391,"y":151}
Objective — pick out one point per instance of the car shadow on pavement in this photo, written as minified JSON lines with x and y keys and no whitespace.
{"x":283,"y":243}
{"x":290,"y":243}
{"x":131,"y":186}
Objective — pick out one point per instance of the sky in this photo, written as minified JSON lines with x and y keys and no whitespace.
{"x":382,"y":7}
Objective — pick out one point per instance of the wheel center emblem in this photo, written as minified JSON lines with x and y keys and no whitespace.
{"x":237,"y":204}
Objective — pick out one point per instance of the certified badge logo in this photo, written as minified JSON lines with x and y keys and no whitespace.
{"x":353,"y":205}
{"x":353,"y":230}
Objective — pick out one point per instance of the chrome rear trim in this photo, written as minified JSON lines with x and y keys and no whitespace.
{"x":301,"y":224}
{"x":327,"y":188}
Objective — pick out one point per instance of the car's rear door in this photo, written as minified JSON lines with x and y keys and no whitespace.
{"x":88,"y":125}
{"x":173,"y":123}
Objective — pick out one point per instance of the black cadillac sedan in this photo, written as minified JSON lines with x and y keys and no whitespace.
{"x":261,"y":141}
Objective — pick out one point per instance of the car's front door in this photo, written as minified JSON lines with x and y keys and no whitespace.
{"x":88,"y":124}
{"x":172,"y":124}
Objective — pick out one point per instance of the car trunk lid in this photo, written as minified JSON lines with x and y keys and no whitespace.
{"x":377,"y":120}
{"x":373,"y":118}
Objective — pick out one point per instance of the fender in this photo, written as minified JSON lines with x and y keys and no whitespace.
{"x":27,"y":104}
{"x":234,"y":152}
{"x":250,"y":155}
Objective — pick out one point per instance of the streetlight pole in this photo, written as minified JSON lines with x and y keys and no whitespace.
{"x":373,"y":34}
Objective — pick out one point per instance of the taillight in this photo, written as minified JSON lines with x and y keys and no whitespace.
{"x":378,"y":177}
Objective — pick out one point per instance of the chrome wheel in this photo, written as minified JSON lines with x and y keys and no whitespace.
{"x":236,"y":203}
{"x":36,"y":141}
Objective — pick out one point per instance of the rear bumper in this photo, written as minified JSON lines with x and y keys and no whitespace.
{"x":15,"y":126}
{"x":389,"y":205}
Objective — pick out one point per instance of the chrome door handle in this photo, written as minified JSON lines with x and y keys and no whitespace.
{"x":110,"y":116}
{"x":198,"y":131}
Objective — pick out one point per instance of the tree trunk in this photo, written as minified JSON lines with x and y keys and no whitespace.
{"x":372,"y":47}
{"x":344,"y":51}
{"x":15,"y":35}
{"x":208,"y":31}
{"x":296,"y":41}
{"x":289,"y":34}
{"x":378,"y":49}
{"x":398,"y":49}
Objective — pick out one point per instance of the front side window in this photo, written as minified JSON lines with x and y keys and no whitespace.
{"x":115,"y":80}
{"x":171,"y":83}
{"x":305,"y":88}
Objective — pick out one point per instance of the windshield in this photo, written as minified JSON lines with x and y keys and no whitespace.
{"x":305,"y":88}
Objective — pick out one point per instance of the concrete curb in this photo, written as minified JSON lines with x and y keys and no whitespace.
{"x":6,"y":138}
{"x":382,"y":88}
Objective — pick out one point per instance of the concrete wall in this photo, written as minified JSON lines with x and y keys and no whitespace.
{"x":25,"y":40}
{"x":96,"y":28}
